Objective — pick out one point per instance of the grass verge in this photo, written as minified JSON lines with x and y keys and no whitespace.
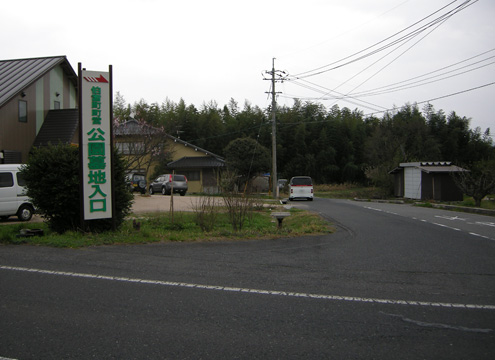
{"x":154,"y":228}
{"x":348,"y":191}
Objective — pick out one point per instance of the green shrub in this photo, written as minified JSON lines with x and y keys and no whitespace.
{"x":52,"y":179}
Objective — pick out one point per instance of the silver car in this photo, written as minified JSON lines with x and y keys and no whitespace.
{"x":164,"y":184}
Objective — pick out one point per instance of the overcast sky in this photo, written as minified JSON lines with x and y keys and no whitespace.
{"x":215,"y":50}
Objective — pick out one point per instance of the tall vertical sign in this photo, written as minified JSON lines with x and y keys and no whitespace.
{"x":96,"y":143}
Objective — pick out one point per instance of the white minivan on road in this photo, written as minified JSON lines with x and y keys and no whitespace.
{"x":301,"y":187}
{"x":13,"y":199}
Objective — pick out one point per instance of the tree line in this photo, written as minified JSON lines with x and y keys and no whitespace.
{"x":335,"y":145}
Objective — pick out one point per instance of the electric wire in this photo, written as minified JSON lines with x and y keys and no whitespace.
{"x":439,"y":97}
{"x":429,"y":73}
{"x":366,"y":68}
{"x":314,"y":87}
{"x":400,"y":85}
{"x":413,"y":33}
{"x":348,"y":31}
{"x":393,"y":60}
{"x":420,"y":83}
{"x":367,"y":115}
{"x":435,"y":24}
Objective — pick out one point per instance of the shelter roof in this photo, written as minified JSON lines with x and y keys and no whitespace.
{"x":430,"y":167}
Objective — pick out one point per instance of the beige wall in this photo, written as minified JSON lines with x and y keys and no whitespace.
{"x":179,"y":150}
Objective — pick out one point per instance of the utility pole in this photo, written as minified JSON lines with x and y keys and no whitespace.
{"x":276,"y":75}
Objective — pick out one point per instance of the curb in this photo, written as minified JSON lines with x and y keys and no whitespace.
{"x":466,"y":209}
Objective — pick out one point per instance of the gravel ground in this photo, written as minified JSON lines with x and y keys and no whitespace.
{"x":142,"y":204}
{"x":158,"y":203}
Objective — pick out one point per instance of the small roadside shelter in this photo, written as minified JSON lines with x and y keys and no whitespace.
{"x":427,"y":181}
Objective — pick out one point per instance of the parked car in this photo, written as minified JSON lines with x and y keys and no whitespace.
{"x":164,"y":184}
{"x":301,"y":187}
{"x":13,"y":199}
{"x":136,"y":182}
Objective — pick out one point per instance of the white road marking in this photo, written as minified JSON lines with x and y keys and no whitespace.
{"x":255,"y":291}
{"x":481,"y":236}
{"x":450,"y":217}
{"x":445,"y":226}
{"x":448,"y":227}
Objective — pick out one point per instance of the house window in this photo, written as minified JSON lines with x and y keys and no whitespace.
{"x":22,"y":111}
{"x":122,"y":147}
{"x":56,"y":105}
{"x":129,"y":148}
{"x":192,"y":175}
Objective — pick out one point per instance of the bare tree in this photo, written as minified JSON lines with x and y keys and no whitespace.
{"x":238,"y":204}
{"x":479,"y":182}
{"x":141,"y":144}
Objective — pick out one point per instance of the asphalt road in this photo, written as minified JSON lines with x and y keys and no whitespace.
{"x":394,"y":282}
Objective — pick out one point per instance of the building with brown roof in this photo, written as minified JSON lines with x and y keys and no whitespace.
{"x":201,"y":167}
{"x":36,"y":92}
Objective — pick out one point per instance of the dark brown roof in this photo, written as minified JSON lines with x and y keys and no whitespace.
{"x":59,"y":126}
{"x":16,"y":75}
{"x":197,"y":162}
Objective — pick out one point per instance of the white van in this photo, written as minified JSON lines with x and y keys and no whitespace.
{"x":13,"y":199}
{"x":301,"y":187}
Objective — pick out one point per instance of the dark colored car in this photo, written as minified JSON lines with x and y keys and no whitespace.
{"x":163,"y":184}
{"x":136,"y":182}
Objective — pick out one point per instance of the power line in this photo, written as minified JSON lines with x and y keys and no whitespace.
{"x":441,"y":18}
{"x":314,"y":87}
{"x":440,"y":97}
{"x":392,"y":87}
{"x":393,"y":60}
{"x":435,"y":24}
{"x":365,"y":115}
{"x":347,"y":31}
{"x":409,"y":83}
{"x":419,"y":83}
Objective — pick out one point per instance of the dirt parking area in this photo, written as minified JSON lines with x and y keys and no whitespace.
{"x":160,"y":203}
{"x":142,"y":204}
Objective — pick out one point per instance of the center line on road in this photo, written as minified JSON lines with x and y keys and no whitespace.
{"x":253,"y":291}
{"x":446,"y":226}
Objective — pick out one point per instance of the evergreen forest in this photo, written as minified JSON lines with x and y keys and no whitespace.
{"x":335,"y":145}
